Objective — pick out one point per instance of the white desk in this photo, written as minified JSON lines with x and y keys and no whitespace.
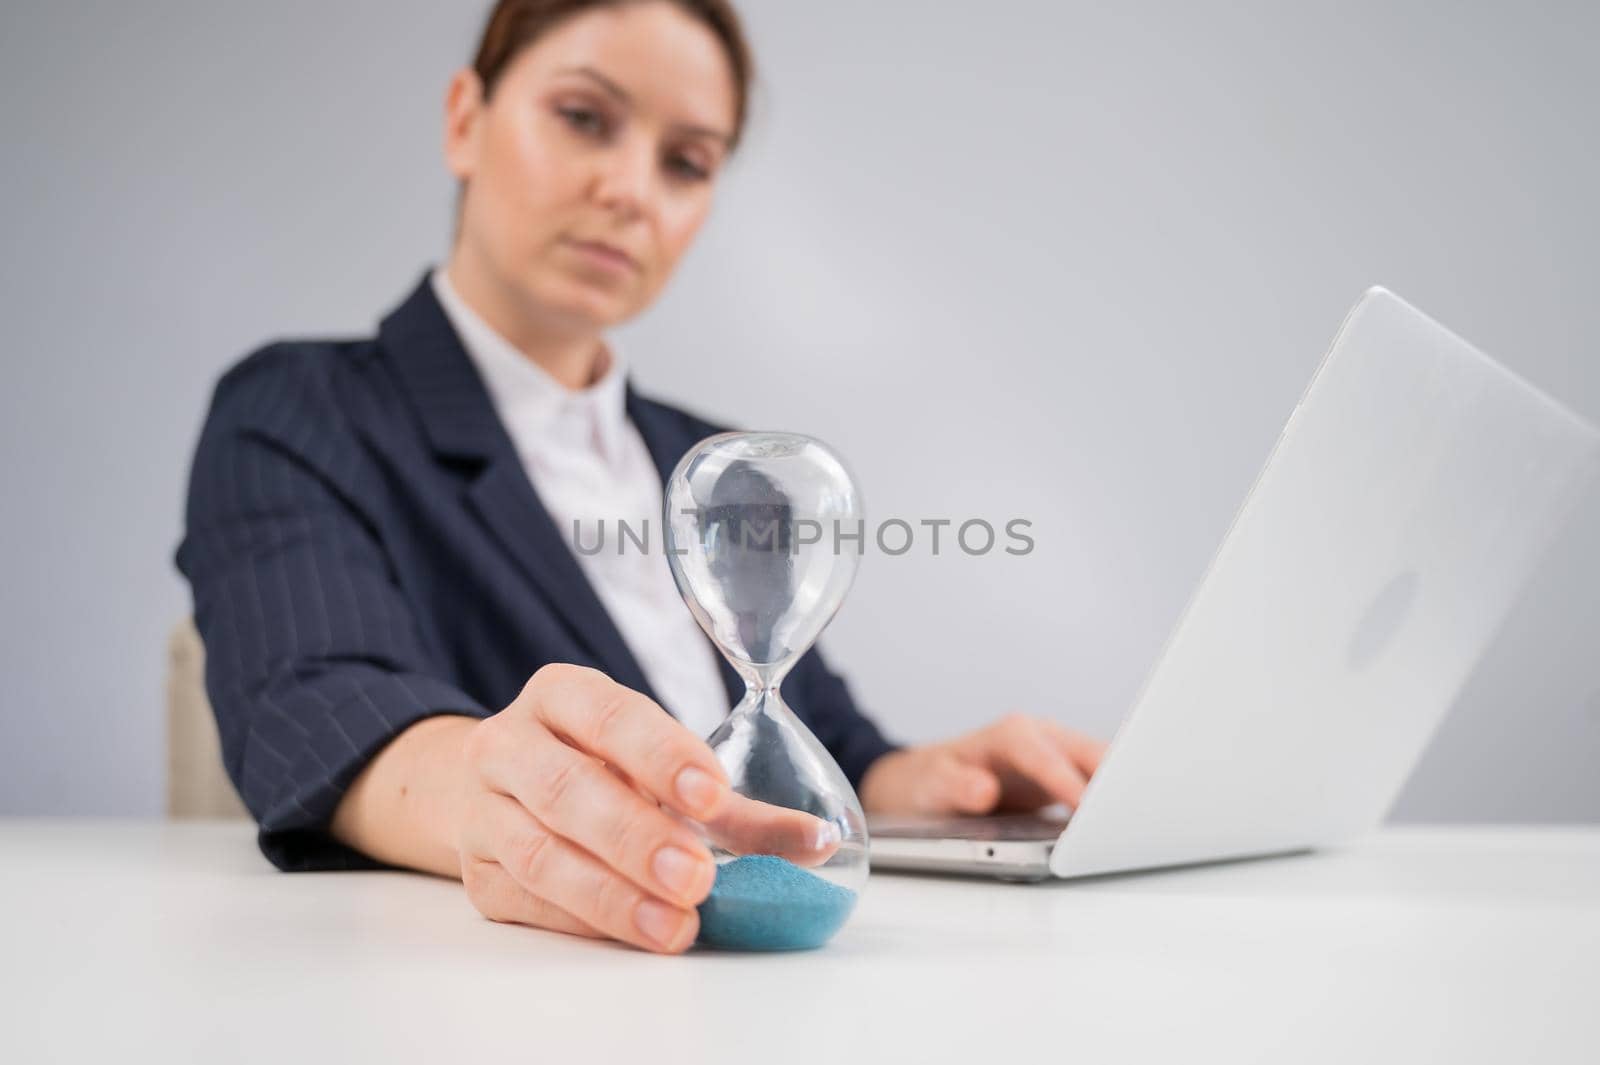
{"x":126,"y":938}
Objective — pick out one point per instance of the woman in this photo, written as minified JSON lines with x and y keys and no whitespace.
{"x":373,"y":526}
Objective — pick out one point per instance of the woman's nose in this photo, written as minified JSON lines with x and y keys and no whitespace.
{"x":625,"y":181}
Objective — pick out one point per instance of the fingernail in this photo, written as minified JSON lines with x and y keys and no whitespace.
{"x":698,"y":789}
{"x":659,"y":922}
{"x":678,"y":871}
{"x":828,"y":835}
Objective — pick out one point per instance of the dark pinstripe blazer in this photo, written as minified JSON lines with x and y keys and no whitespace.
{"x":365,"y":550}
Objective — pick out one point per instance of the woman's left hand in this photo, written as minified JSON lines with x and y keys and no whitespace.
{"x":1017,"y":763}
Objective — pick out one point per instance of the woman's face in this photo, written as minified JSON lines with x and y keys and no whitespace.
{"x":590,"y":168}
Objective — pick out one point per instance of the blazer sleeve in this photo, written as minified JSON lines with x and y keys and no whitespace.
{"x":314,"y":660}
{"x":833,"y":717}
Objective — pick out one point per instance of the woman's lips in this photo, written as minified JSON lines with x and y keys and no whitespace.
{"x":604,"y":255}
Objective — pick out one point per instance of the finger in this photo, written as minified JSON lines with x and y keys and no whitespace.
{"x":627,"y":781}
{"x":1020,"y":743}
{"x":637,"y":788}
{"x":941,"y":783}
{"x":632,"y":732}
{"x":499,"y":897}
{"x":961,"y":788}
{"x":748,"y":826}
{"x":1086,"y":752}
{"x":578,"y":883}
{"x":581,"y":800}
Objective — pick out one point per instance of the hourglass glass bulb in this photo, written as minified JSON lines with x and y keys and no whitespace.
{"x":763,"y":538}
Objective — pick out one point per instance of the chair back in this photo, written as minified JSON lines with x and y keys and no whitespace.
{"x":197,"y":784}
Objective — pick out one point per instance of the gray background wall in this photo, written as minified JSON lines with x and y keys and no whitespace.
{"x":1064,"y":261}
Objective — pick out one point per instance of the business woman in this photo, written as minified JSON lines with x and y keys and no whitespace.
{"x":410,"y":664}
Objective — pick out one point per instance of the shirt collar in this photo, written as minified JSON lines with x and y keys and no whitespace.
{"x":525,"y":395}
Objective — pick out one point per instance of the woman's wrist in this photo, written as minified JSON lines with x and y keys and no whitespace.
{"x":405,"y":807}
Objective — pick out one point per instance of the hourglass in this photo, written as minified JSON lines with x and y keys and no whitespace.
{"x":763,"y":536}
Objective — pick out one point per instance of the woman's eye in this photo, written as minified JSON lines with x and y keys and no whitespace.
{"x":681,"y":166}
{"x":583,"y":119}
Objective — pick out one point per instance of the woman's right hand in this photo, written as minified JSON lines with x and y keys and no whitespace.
{"x":560,"y":825}
{"x":567,"y":820}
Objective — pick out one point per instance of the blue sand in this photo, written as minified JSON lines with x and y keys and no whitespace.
{"x":763,"y":902}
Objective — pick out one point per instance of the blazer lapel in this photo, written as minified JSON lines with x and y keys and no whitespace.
{"x":668,"y":436}
{"x":465,"y":432}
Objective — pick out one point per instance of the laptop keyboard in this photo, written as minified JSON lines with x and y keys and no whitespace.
{"x":1000,"y":827}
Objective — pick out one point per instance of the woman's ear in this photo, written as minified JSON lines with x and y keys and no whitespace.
{"x":463,"y":117}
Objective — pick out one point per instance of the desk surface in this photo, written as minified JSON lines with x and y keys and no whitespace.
{"x":1416,"y":944}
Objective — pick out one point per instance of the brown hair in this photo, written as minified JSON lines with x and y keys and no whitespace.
{"x":515,"y":24}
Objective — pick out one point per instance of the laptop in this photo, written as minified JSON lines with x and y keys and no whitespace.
{"x":1403,"y":506}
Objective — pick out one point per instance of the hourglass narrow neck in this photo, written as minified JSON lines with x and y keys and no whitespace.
{"x":760,"y":700}
{"x":762,"y":676}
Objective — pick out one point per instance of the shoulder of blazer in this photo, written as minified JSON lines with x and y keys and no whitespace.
{"x":282,"y":385}
{"x":301,"y":398}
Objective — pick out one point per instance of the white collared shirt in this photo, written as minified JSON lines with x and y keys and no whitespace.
{"x":588,"y":463}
